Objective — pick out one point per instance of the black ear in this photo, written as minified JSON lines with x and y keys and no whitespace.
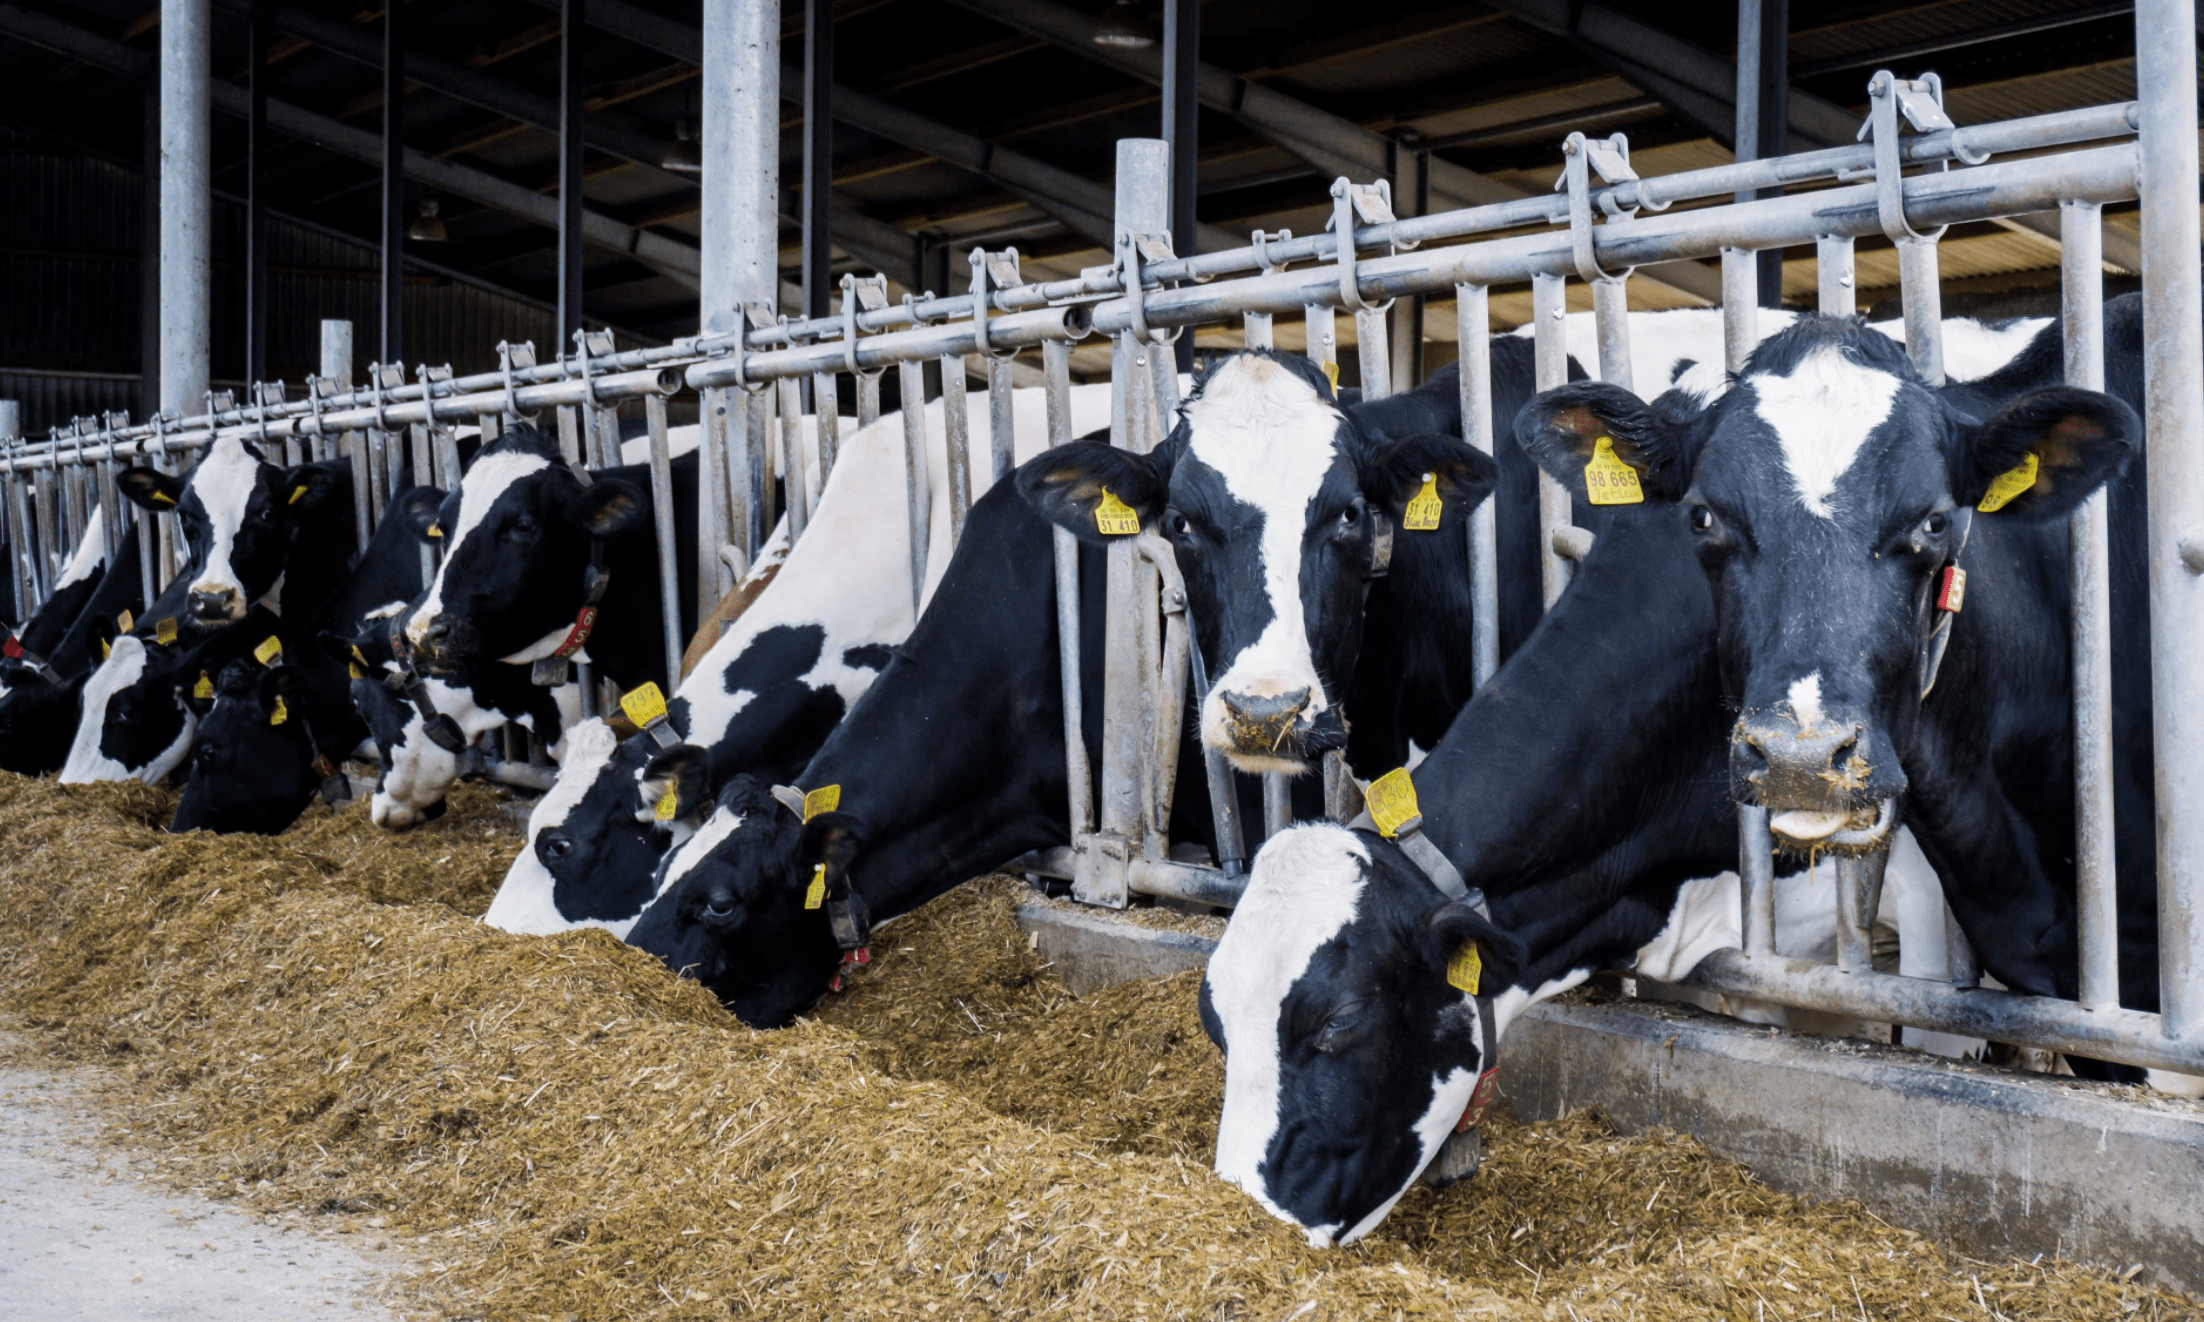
{"x":286,"y":683}
{"x":606,"y":507}
{"x":1071,"y":483}
{"x":304,"y":487}
{"x":104,"y":629}
{"x":684,"y":771}
{"x":416,"y":508}
{"x":2078,"y":439}
{"x":1210,"y":1023}
{"x":1449,"y":925}
{"x":150,"y":488}
{"x":1460,"y":474}
{"x":835,"y":839}
{"x":1561,"y":430}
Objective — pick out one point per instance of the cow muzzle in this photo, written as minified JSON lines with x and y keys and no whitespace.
{"x":442,"y":647}
{"x":1271,"y":732}
{"x":217,"y":603}
{"x":1821,"y":788}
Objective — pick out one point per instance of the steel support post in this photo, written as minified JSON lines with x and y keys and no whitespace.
{"x":1411,"y":197}
{"x":187,"y":201}
{"x":1473,"y":349}
{"x":1756,"y":876}
{"x":1740,"y":303}
{"x":910,"y":380}
{"x":2081,"y":302}
{"x":1550,"y":364}
{"x":1859,"y":892}
{"x":1181,"y":130}
{"x":1763,"y":105}
{"x":256,"y":193}
{"x":391,"y":348}
{"x":868,"y":399}
{"x":1611,"y":318}
{"x":669,"y":563}
{"x":956,"y":434}
{"x":2173,"y":418}
{"x":754,"y":481}
{"x":1373,"y":359}
{"x":1002,"y":434}
{"x":714,"y":577}
{"x":826,"y":395}
{"x":1078,"y":778}
{"x":818,"y":194}
{"x":1924,"y":308}
{"x":796,"y":490}
{"x":573,"y":87}
{"x":1834,"y":275}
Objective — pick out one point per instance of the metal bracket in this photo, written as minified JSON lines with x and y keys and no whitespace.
{"x":385,"y":377}
{"x":757,"y":315}
{"x":1132,"y":251}
{"x":318,"y":388}
{"x":1101,"y":868}
{"x":1261,"y":241}
{"x":870,"y":293}
{"x":1373,"y":203}
{"x":262,"y":390}
{"x":1610,"y":156}
{"x":1922,"y":103}
{"x":513,"y":358}
{"x":589,"y":343}
{"x":1000,"y":270}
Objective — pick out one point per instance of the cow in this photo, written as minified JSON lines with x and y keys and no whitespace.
{"x":42,"y":682}
{"x":820,"y":622}
{"x":540,"y":563}
{"x":80,"y":578}
{"x":255,"y":767}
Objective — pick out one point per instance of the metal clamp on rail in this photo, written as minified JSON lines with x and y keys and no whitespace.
{"x":756,"y":315}
{"x":870,"y":293}
{"x":1261,"y":243}
{"x":1373,"y":203}
{"x":1580,"y":156}
{"x":318,"y":388}
{"x":586,"y":343}
{"x":1132,"y":251}
{"x":1922,"y":102}
{"x":385,"y":377}
{"x":261,"y":392}
{"x":1001,"y":270}
{"x":513,"y":358}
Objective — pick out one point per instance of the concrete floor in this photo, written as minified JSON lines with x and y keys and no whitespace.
{"x":82,"y":1236}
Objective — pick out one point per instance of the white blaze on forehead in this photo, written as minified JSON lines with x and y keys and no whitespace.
{"x":690,"y":854}
{"x":1822,"y":413}
{"x":224,"y":483}
{"x":1805,"y":697}
{"x":525,"y":902}
{"x":1303,"y":890}
{"x":1272,"y":439}
{"x":91,"y":551}
{"x":491,"y":477}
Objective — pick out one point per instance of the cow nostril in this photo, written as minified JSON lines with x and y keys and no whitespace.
{"x":1845,"y":748}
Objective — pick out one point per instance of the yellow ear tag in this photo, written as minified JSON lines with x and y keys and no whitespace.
{"x":1391,"y":800}
{"x":668,"y":806}
{"x":270,"y":650}
{"x":822,"y":800}
{"x":2009,"y":485}
{"x":164,"y":632}
{"x":124,"y":621}
{"x":1114,"y":517}
{"x":643,"y":705}
{"x":815,"y":894}
{"x":1465,"y":968}
{"x":436,"y":530}
{"x":297,"y":493}
{"x":278,"y":714}
{"x":103,"y":649}
{"x":1608,"y":480}
{"x":352,"y":668}
{"x":1424,"y":508}
{"x":204,"y":688}
{"x":1331,"y":374}
{"x":162,"y":497}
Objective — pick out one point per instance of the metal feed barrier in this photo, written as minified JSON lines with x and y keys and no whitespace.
{"x":1602,"y":222}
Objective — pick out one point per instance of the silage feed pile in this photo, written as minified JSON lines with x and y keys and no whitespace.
{"x":559,"y":1129}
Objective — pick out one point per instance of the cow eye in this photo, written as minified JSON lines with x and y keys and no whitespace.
{"x":1337,"y":1029}
{"x":524,"y":527}
{"x":1702,"y":519}
{"x":720,"y":907}
{"x":1935,"y":524}
{"x":1351,"y":515}
{"x":1179,"y":526}
{"x":556,"y":846}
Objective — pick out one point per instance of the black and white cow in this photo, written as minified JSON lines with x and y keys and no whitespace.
{"x":42,"y":674}
{"x":820,"y":622}
{"x":33,"y":644}
{"x":252,"y":773}
{"x":518,"y":537}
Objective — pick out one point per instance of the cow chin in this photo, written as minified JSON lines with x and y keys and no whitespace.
{"x":1855,"y":831}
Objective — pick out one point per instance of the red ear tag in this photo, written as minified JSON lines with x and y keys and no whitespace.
{"x":1952,"y":593}
{"x":12,"y":649}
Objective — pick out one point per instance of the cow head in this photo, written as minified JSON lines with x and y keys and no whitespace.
{"x":1826,"y":493}
{"x":240,"y":516}
{"x":1278,"y":508}
{"x":133,"y":723}
{"x":730,"y":908}
{"x":588,"y":861}
{"x":251,"y":757}
{"x":516,"y":539}
{"x":1349,"y":1057}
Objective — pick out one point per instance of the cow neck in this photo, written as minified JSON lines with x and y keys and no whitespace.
{"x":407,"y":683}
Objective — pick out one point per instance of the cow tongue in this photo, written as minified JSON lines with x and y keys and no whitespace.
{"x":1806,"y":827}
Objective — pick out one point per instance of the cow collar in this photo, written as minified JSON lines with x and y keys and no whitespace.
{"x":405,"y":681}
{"x":1940,"y":606}
{"x":551,"y":671}
{"x":14,"y":650}
{"x":847,"y":912}
{"x":336,"y":787}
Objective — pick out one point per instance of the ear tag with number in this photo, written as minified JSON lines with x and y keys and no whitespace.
{"x":1951,"y":594}
{"x":1466,"y":968}
{"x":204,"y":688}
{"x":279,"y":713}
{"x":1391,"y":800}
{"x":124,"y":621}
{"x":818,"y":801}
{"x":2009,"y":485}
{"x":164,"y":632}
{"x":644,"y":704}
{"x":297,"y":493}
{"x":1114,"y":517}
{"x":270,"y":650}
{"x":669,"y":805}
{"x":1424,"y":508}
{"x":815,"y":894}
{"x":1331,"y":374}
{"x":1608,"y":480}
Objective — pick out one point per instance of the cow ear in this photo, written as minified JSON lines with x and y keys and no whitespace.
{"x":606,"y":507}
{"x":2075,"y":440}
{"x":417,"y":509}
{"x":104,"y":630}
{"x":1561,"y":429}
{"x":832,"y":838}
{"x":1459,"y":473}
{"x":285,"y":683}
{"x":684,"y":771}
{"x":150,"y":488}
{"x":1071,"y":483}
{"x":302,"y":488}
{"x":1500,"y":952}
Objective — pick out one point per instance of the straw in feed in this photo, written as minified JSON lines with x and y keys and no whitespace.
{"x":559,"y":1129}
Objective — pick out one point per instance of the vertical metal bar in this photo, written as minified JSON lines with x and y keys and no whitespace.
{"x":336,"y":366}
{"x":741,"y":147}
{"x":669,"y":563}
{"x":1255,"y":332}
{"x":187,"y":200}
{"x":826,"y":396}
{"x":1833,"y":271}
{"x":256,"y":193}
{"x":818,"y":252}
{"x":1924,"y":308}
{"x":394,"y":184}
{"x":956,"y":427}
{"x":151,"y":273}
{"x":17,"y":514}
{"x":2173,"y":417}
{"x":43,"y":483}
{"x":1550,"y":363}
{"x":1411,"y":197}
{"x":1322,"y":340}
{"x":753,"y":475}
{"x":1473,"y":350}
{"x":1372,"y":357}
{"x":570,"y":436}
{"x":1740,"y":305}
{"x":1277,"y":803}
{"x":1773,"y":68}
{"x":712,"y":578}
{"x":1002,"y":439}
{"x":1756,"y":875}
{"x":1181,"y":130}
{"x":170,"y":551}
{"x":1966,"y":970}
{"x":573,"y":41}
{"x":868,"y":399}
{"x":1056,"y":394}
{"x":1859,"y":892}
{"x":424,"y":469}
{"x":743,"y":512}
{"x":918,"y":493}
{"x":792,"y":456}
{"x":2081,"y":303}
{"x":378,"y":472}
{"x":1611,"y":319}
{"x":110,"y":506}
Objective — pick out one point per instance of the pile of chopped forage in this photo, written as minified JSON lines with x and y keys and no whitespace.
{"x":562,"y":1130}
